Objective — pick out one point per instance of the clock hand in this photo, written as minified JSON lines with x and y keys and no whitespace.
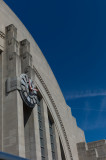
{"x":30,"y":85}
{"x":34,"y":89}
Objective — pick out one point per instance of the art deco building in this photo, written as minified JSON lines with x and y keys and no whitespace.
{"x":35,"y":121}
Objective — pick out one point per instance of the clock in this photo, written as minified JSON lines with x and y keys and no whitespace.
{"x":28,"y":91}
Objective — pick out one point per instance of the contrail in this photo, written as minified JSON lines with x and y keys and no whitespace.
{"x":84,"y":94}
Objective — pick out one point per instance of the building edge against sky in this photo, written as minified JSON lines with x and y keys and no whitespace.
{"x":30,"y":132}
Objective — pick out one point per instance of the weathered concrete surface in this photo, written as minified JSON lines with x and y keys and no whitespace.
{"x":92,"y":150}
{"x":13,"y":134}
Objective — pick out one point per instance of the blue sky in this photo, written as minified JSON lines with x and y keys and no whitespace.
{"x":72,"y":37}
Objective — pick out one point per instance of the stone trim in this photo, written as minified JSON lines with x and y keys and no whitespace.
{"x":56,"y":110}
{"x":2,"y":35}
{"x":12,"y":84}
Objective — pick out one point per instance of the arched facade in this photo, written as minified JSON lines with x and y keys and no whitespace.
{"x":47,"y":131}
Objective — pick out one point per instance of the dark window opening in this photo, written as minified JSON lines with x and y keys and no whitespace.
{"x":62,"y":151}
{"x":27,"y":112}
{"x":41,"y":131}
{"x":52,"y":135}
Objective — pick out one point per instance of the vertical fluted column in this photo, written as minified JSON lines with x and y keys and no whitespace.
{"x":36,"y":131}
{"x":57,"y":144}
{"x":47,"y":132}
{"x":1,"y":97}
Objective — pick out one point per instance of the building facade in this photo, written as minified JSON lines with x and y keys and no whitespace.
{"x":35,"y":121}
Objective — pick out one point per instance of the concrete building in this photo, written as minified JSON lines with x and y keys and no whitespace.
{"x":35,"y":121}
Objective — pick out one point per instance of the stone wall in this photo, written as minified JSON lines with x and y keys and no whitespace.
{"x":65,"y":123}
{"x":92,"y":150}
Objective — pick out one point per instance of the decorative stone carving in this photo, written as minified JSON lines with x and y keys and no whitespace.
{"x":11,"y":32}
{"x":26,"y":58}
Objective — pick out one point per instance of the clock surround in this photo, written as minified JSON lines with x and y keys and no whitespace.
{"x":28,"y":91}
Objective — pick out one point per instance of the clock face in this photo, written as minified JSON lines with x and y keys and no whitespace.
{"x":28,"y":91}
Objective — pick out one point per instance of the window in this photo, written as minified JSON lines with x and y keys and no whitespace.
{"x":62,"y":151}
{"x":41,"y":131}
{"x":52,"y":138}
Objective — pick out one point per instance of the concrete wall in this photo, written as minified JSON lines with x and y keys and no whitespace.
{"x":92,"y":150}
{"x":1,"y":101}
{"x":65,"y":123}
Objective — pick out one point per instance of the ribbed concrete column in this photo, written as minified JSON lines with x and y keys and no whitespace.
{"x":1,"y":96}
{"x":37,"y":138}
{"x":57,"y":144}
{"x":21,"y":138}
{"x":47,"y":133}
